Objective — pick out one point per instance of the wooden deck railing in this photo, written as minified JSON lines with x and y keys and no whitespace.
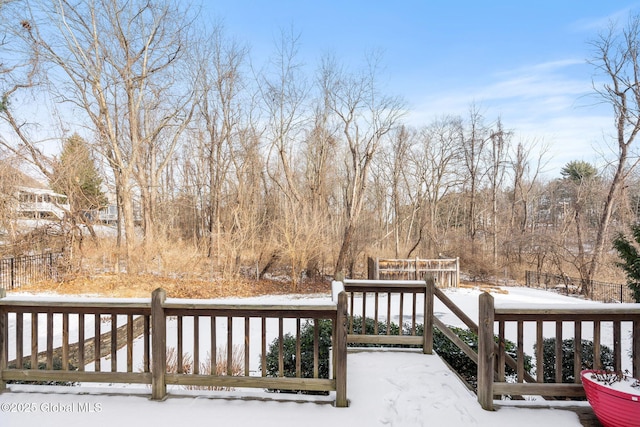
{"x":579,"y":323}
{"x":27,"y":316}
{"x":377,"y":300}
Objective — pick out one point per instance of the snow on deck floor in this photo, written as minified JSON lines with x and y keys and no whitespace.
{"x":397,"y":388}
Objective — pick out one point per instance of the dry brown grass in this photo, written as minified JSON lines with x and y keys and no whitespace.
{"x":237,"y":362}
{"x":129,"y":286}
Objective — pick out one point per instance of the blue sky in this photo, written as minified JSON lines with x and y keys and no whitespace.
{"x":524,"y":62}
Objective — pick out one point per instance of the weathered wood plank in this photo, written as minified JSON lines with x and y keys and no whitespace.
{"x":543,"y":389}
{"x":384,"y":339}
{"x":114,"y":343}
{"x":159,"y":342}
{"x":247,"y":344}
{"x":196,"y":345}
{"x":456,"y":340}
{"x":49,"y":340}
{"x":340,"y":352}
{"x":558,"y":351}
{"x":129,"y":343}
{"x":577,"y":351}
{"x":96,"y":341}
{"x":34,"y":340}
{"x":19,"y":339}
{"x":486,"y":351}
{"x":76,"y":376}
{"x":307,"y":384}
{"x":65,"y":342}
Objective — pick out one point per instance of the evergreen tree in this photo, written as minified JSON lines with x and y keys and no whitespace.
{"x":75,"y":175}
{"x":628,"y":252}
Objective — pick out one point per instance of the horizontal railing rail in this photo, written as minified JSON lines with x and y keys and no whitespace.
{"x":193,"y":326}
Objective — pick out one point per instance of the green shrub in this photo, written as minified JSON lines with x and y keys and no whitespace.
{"x":306,"y":352}
{"x":549,"y":358}
{"x":461,"y":363}
{"x":57,"y":366}
{"x":455,"y":357}
{"x":369,"y":327}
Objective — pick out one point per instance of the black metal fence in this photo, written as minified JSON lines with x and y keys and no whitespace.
{"x":17,"y":271}
{"x":599,"y":291}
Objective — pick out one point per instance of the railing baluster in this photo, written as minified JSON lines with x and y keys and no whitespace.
{"x":539,"y":351}
{"x":19,"y":340}
{"x":179,"y":364}
{"x":316,"y":342}
{"x":413,"y":315}
{"x":352,"y":297}
{"x":388,"y":313}
{"x":196,"y":345}
{"x":501,"y":351}
{"x":263,"y":355}
{"x":247,"y":333}
{"x":558,"y":351}
{"x":81,"y":342}
{"x":363,"y":331}
{"x":214,"y":348}
{"x":375,"y":314}
{"x":130,"y":343}
{"x":147,"y":344}
{"x":635,"y":352}
{"x":229,"y":345}
{"x":114,"y":343}
{"x":49,"y":340}
{"x":280,"y":349}
{"x":298,"y":350}
{"x":617,"y":350}
{"x":577,"y":351}
{"x":400,"y":321}
{"x":520,"y":353}
{"x":597,"y":363}
{"x":96,"y":342}
{"x":65,"y":341}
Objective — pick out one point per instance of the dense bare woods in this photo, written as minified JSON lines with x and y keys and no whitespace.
{"x":310,"y":167}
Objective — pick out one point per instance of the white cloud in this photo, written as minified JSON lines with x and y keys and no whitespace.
{"x":547,"y":102}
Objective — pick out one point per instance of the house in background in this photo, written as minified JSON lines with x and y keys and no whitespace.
{"x":41,"y":203}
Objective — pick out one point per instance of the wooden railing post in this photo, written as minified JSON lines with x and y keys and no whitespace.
{"x":486,"y":351}
{"x":340,"y":351}
{"x":158,"y":345}
{"x":4,"y":341}
{"x":430,"y":284}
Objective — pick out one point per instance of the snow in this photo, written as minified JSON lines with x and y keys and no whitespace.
{"x":385,"y":387}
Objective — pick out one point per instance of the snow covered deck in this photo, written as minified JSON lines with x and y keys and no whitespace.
{"x":386,"y":388}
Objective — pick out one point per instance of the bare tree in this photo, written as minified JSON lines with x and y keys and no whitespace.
{"x":365,"y":116}
{"x":220,"y":82}
{"x":436,"y":162}
{"x":116,"y":65}
{"x":616,"y":57}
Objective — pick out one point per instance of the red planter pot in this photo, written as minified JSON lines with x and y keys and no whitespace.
{"x":614,"y":408}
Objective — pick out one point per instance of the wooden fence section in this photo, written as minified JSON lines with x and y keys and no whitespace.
{"x":579,"y":323}
{"x":446,"y":272}
{"x":26,"y":317}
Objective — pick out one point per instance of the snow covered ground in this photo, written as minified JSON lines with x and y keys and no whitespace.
{"x":385,"y":388}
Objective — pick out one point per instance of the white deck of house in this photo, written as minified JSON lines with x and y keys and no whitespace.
{"x":400,"y":388}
